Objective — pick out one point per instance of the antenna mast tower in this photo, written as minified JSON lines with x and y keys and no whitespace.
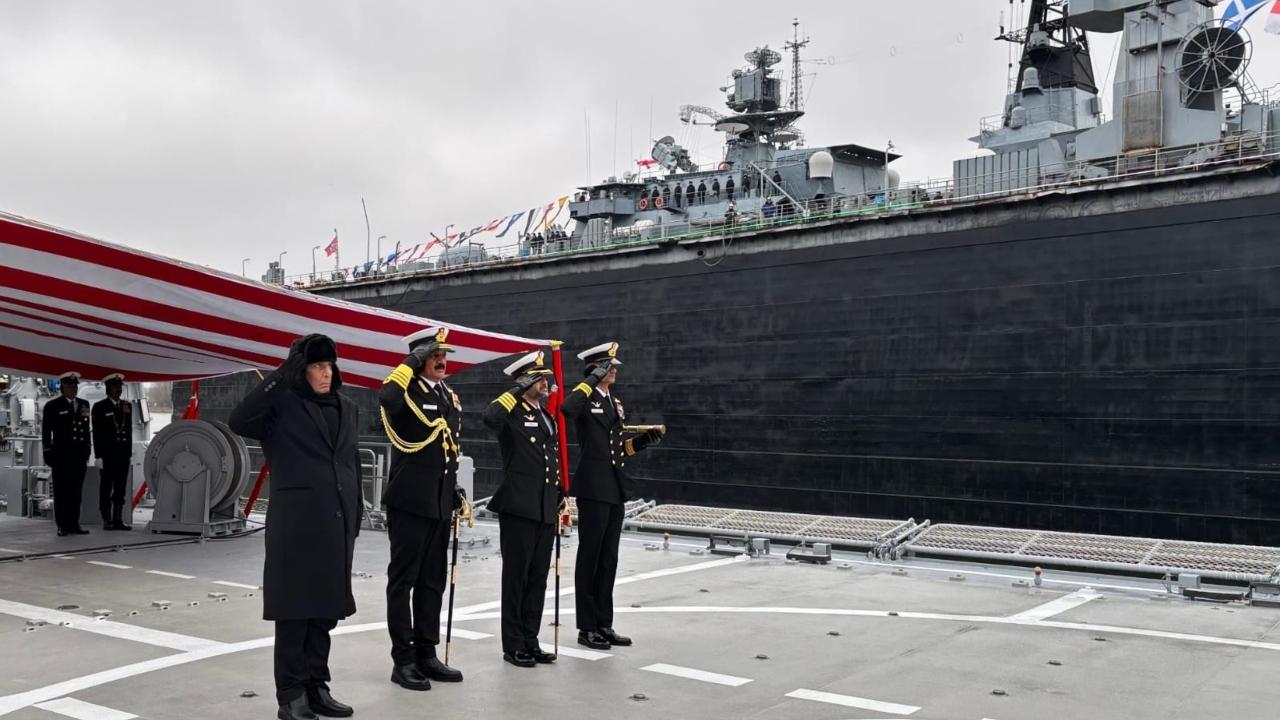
{"x":794,"y":45}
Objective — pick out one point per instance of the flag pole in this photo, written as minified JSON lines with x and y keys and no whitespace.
{"x":561,"y":517}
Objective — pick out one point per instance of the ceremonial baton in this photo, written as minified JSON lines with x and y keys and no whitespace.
{"x":458,"y":516}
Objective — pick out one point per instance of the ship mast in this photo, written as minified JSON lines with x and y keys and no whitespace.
{"x":795,"y":44}
{"x":1058,"y":51}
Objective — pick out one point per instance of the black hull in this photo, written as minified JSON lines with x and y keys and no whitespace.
{"x":1102,"y":363}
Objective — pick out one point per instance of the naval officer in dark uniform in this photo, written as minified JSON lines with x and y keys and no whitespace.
{"x":527,"y":503}
{"x":65,"y":436}
{"x":113,"y":447}
{"x":600,"y":486}
{"x":423,"y":420}
{"x":310,"y":435}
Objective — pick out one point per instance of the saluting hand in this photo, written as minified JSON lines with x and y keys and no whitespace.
{"x":417,"y":358}
{"x":599,"y":371}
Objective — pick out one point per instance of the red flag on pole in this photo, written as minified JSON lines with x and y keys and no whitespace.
{"x":332,"y":247}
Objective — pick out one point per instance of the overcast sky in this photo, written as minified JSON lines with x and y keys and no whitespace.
{"x":218,"y":131}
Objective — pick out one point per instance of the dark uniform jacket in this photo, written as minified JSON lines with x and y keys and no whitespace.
{"x":603,"y":452}
{"x":424,"y":426}
{"x":530,"y":459}
{"x":316,"y":498}
{"x":112,"y":429}
{"x":64,"y":431}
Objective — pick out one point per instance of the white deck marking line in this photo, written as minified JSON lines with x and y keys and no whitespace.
{"x":109,"y":628}
{"x":228,"y":583}
{"x":464,"y":634}
{"x":1057,"y":606}
{"x":100,"y":563}
{"x":851,"y":701}
{"x":579,"y":653}
{"x":376,"y":626}
{"x":180,"y":576}
{"x":17,"y":701}
{"x":465,"y":612}
{"x":694,"y":674}
{"x":1009,"y":576}
{"x":80,"y":710}
{"x":11,"y":550}
{"x":63,"y":557}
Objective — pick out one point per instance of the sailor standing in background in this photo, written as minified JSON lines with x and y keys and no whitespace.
{"x":423,"y":420}
{"x":527,"y":503}
{"x":113,"y":447}
{"x":599,"y":484}
{"x":65,"y":436}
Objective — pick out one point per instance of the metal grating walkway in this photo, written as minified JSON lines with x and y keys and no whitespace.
{"x":1102,"y":552}
{"x":847,"y":531}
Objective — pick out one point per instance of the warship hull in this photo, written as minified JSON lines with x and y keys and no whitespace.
{"x":1101,"y":360}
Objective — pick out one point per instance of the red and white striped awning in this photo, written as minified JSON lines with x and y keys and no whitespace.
{"x":69,"y":302}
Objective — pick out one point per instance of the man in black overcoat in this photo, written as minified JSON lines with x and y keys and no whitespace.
{"x":527,"y":503}
{"x":113,"y":447}
{"x":309,"y":435}
{"x":423,"y":420}
{"x":66,"y":440}
{"x":600,"y":486}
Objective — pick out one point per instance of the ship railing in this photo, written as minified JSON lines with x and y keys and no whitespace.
{"x":1231,"y":150}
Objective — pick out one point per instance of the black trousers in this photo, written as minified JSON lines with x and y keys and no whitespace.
{"x":301,"y":657}
{"x":111,"y":487}
{"x":526,"y":555}
{"x":68,"y":485}
{"x":416,"y":579}
{"x":599,"y":528}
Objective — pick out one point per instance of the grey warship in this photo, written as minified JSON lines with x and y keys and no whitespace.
{"x":1077,"y":331}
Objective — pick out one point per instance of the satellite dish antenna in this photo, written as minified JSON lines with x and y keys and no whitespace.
{"x":1213,"y":57}
{"x":732,"y":127}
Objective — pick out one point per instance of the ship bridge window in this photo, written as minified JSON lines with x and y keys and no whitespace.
{"x":702,"y":193}
{"x":677,"y":196}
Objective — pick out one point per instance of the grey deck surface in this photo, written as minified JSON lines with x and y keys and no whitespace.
{"x":1120,"y":652}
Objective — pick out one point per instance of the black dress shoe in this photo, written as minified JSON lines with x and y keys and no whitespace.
{"x":297,"y":709}
{"x":520,"y":658}
{"x":410,"y":678}
{"x":322,"y":703}
{"x":119,"y":525}
{"x":541,"y":656}
{"x":614,"y":638}
{"x":436,"y":670}
{"x":79,"y":531}
{"x":593,"y":640}
{"x":62,"y":533}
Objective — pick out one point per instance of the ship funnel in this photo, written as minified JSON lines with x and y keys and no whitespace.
{"x":821,"y":165}
{"x":1031,"y":82}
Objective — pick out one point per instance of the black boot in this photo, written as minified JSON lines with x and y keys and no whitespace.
{"x":410,"y":678}
{"x":593,"y":640}
{"x":322,"y":703}
{"x":106,"y":520}
{"x":541,"y":656}
{"x":520,"y":658}
{"x":614,"y":638}
{"x":117,"y":519}
{"x":436,"y":670}
{"x":297,"y":709}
